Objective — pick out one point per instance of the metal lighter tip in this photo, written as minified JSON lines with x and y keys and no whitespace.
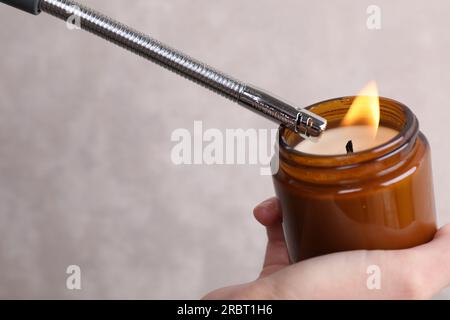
{"x":309,"y":125}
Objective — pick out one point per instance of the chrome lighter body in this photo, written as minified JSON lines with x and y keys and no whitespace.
{"x":304,"y":122}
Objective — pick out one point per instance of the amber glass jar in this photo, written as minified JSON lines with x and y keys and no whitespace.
{"x":381,"y":198}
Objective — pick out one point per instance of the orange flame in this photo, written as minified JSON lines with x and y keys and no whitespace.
{"x":365,"y":109}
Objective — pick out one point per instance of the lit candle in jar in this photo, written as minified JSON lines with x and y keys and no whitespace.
{"x":359,"y":130}
{"x":366,"y":183}
{"x":334,"y":141}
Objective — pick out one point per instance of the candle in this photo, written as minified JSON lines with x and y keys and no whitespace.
{"x":359,"y":130}
{"x":334,"y":141}
{"x":378,"y":197}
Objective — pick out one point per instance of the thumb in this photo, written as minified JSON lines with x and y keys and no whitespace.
{"x":268,"y":213}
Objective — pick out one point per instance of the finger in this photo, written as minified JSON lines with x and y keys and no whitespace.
{"x":431,"y":268}
{"x":419,"y":272}
{"x":415,"y":273}
{"x":268,"y":213}
{"x":277,"y":256}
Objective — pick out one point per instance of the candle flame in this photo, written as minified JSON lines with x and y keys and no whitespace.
{"x":365,"y":109}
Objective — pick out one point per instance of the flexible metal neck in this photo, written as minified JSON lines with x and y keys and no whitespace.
{"x":304,"y":122}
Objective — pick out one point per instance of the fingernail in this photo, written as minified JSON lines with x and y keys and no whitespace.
{"x":265,"y":204}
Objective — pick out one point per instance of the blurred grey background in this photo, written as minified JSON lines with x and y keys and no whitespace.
{"x":85,"y":170}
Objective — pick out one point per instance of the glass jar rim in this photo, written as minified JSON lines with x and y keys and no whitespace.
{"x":406,"y":134}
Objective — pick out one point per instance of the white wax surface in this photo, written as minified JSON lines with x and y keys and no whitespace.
{"x":333,"y":141}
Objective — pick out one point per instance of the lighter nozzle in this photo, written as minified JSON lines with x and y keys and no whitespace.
{"x":309,"y":125}
{"x":306,"y":123}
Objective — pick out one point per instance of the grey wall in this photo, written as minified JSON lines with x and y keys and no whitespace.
{"x":85,"y":170}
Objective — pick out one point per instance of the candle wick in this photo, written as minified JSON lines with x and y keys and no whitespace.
{"x":349,"y":147}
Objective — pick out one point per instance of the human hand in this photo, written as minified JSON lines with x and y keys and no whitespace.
{"x":415,"y":273}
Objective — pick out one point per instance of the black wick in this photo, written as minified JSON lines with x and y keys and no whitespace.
{"x":349,"y":146}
